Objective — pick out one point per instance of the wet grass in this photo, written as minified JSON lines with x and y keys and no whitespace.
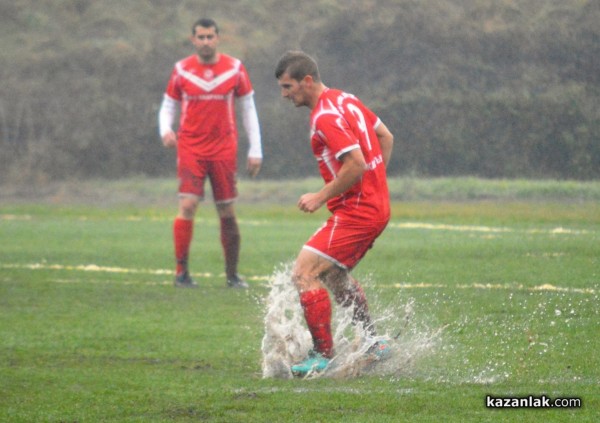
{"x":92,"y":330}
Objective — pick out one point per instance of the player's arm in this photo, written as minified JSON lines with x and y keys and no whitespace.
{"x":353,"y":167}
{"x":169,"y":109}
{"x":252,"y":128}
{"x":386,"y":141}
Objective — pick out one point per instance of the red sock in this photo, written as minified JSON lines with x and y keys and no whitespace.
{"x":182,"y":236}
{"x":230,"y":239}
{"x":317,"y":312}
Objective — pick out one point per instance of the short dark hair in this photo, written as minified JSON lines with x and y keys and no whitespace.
{"x":297,"y":65}
{"x":205,"y":23}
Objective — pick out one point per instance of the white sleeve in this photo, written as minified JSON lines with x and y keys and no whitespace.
{"x":166,"y":115}
{"x":251,"y":125}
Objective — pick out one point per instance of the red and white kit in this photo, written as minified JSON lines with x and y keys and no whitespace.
{"x":207,"y":134}
{"x":340,"y":123}
{"x":207,"y":94}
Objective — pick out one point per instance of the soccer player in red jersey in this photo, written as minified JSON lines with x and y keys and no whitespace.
{"x":352,"y":147}
{"x":203,"y":89}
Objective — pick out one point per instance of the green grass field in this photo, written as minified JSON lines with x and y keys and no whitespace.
{"x":92,"y":330}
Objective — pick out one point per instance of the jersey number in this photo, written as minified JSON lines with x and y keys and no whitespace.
{"x":362,"y":124}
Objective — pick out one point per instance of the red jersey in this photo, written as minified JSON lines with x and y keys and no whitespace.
{"x":340,"y":122}
{"x":207,"y":125}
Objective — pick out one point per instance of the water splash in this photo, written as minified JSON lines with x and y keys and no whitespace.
{"x":286,"y":340}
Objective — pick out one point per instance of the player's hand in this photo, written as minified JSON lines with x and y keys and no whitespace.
{"x":310,"y":202}
{"x":169,"y":140}
{"x":253,"y":166}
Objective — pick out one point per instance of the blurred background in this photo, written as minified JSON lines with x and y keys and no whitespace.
{"x":486,"y":88}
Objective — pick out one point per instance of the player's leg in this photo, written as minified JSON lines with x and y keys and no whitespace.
{"x":307,"y":275}
{"x":317,"y":259}
{"x":308,"y":271}
{"x":230,"y":240}
{"x":183,"y":230}
{"x":349,"y":293}
{"x":191,"y":175}
{"x":223,"y":181}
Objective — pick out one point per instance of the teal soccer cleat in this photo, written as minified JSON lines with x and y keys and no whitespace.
{"x":314,"y":363}
{"x":381,"y":350}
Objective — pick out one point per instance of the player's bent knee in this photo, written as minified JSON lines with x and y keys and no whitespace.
{"x":310,"y":271}
{"x":306,"y":282}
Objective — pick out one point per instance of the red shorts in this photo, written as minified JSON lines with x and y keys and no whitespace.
{"x":344,"y":241}
{"x":221,"y":173}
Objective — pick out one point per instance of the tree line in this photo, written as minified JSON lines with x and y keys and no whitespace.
{"x":489,"y":88}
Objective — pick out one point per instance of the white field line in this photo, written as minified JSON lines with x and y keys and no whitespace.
{"x":108,"y":269}
{"x":88,"y":268}
{"x":487,"y":229}
{"x":122,"y":270}
{"x":404,"y":225}
{"x":15,"y":217}
{"x":489,"y":286}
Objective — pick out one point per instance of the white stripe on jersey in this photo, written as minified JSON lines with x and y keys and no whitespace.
{"x":204,"y":84}
{"x":335,"y":224}
{"x":326,"y":158}
{"x":345,"y":150}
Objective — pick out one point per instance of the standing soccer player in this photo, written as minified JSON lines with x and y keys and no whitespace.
{"x":202,"y":89}
{"x":352,"y":147}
